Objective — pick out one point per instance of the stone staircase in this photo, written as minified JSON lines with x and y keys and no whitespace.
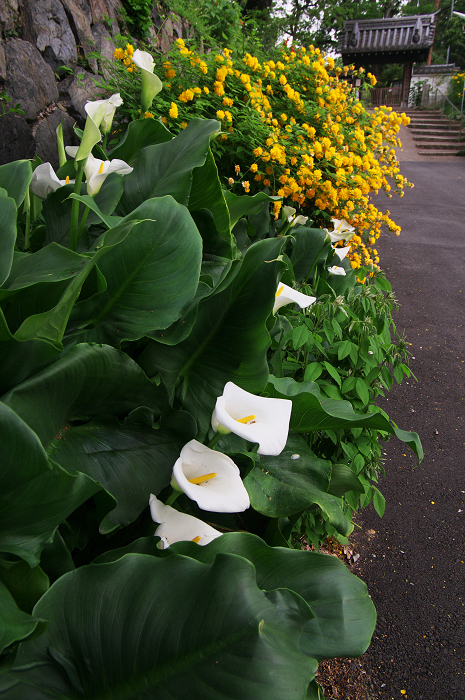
{"x":435,"y":135}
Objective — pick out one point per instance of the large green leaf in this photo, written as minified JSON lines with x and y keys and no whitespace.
{"x":87,"y":381}
{"x":308,"y":248}
{"x":206,"y":193}
{"x":240,"y":206}
{"x":50,"y":325}
{"x":26,"y":585}
{"x":8,"y":213}
{"x":131,"y":460}
{"x":311,"y":411}
{"x":35,"y":494}
{"x":151,"y":276}
{"x":168,"y":629}
{"x":15,"y":178}
{"x":344,"y":613}
{"x":16,"y":624}
{"x":138,"y":135}
{"x":167,"y":168}
{"x":19,"y":359}
{"x":229,"y":340}
{"x":293,"y":481}
{"x":50,"y":264}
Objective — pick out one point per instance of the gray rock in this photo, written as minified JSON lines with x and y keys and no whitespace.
{"x":104,"y":45}
{"x":76,"y":90}
{"x":16,"y":139}
{"x":30,"y":81}
{"x":106,"y":11}
{"x":51,"y":31}
{"x":45,"y":135}
{"x":9,"y":17}
{"x":2,"y":60}
{"x":82,"y":18}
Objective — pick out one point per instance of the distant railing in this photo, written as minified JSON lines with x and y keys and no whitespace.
{"x":386,"y":96}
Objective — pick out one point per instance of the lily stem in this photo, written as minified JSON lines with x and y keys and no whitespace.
{"x":104,"y":144}
{"x":171,"y":499}
{"x":27,"y":230}
{"x":83,"y":222}
{"x":214,"y":440}
{"x":74,"y":228}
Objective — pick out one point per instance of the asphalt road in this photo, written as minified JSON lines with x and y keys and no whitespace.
{"x":413,"y":560}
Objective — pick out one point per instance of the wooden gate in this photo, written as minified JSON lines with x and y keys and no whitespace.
{"x":386,"y":96}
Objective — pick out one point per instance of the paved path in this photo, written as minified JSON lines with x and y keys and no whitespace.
{"x":413,"y":560}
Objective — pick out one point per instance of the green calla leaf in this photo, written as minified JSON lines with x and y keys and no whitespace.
{"x":308,"y":248}
{"x":138,"y":135}
{"x":16,"y":624}
{"x":333,"y":593}
{"x":15,"y":178}
{"x":26,"y":585}
{"x":35,"y":494}
{"x":8,"y":214}
{"x":151,"y":276}
{"x":240,"y":206}
{"x":311,"y":411}
{"x":206,"y":193}
{"x":129,"y":460}
{"x":167,"y":168}
{"x":98,"y":379}
{"x":20,"y":359}
{"x":293,"y":481}
{"x":125,"y":619}
{"x":229,"y":340}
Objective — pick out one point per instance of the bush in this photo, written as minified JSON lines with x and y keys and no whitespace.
{"x":293,"y":126}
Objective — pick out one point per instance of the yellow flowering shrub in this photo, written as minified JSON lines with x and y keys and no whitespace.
{"x":297,"y":127}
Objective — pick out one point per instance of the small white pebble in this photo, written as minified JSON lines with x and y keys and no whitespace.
{"x":295,"y":457}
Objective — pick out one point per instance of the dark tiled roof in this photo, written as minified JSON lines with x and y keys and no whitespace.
{"x":406,"y":37}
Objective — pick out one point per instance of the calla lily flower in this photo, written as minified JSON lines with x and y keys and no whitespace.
{"x":178,"y":527}
{"x":289,"y":214}
{"x":99,"y":113}
{"x":342,"y":252}
{"x":151,"y":83}
{"x":254,"y":418}
{"x":287,"y":295}
{"x":335,"y":270}
{"x":97,"y":170}
{"x":45,"y":180}
{"x":210,"y":478}
{"x":342,"y":231}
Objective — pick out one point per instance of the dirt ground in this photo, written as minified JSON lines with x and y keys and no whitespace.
{"x":413,"y":559}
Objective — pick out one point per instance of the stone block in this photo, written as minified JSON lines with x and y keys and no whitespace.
{"x":77,"y":90}
{"x":30,"y":80}
{"x":82,"y":19}
{"x":16,"y":139}
{"x":51,"y":32}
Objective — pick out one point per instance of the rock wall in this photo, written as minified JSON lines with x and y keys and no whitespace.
{"x":38,"y":38}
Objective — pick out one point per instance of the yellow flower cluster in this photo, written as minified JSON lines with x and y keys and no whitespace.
{"x":125,"y":55}
{"x":310,"y":139}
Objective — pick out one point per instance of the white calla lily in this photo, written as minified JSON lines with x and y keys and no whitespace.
{"x":112,"y":103}
{"x":289,"y":214}
{"x":254,"y":418}
{"x":98,"y":112}
{"x":178,"y":527}
{"x":97,"y":170}
{"x":287,"y":295}
{"x":210,"y":478}
{"x":342,"y":231}
{"x":342,"y":252}
{"x":335,"y":270}
{"x":45,"y":180}
{"x":151,"y":83}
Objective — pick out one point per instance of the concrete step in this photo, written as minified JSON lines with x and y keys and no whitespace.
{"x":437,"y":132}
{"x":439,"y":153}
{"x":436,"y":124}
{"x":443,"y":138}
{"x":441,"y":146}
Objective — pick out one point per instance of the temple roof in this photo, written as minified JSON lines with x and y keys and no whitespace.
{"x":391,"y":40}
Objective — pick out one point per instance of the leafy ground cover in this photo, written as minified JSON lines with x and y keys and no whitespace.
{"x":187,"y":387}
